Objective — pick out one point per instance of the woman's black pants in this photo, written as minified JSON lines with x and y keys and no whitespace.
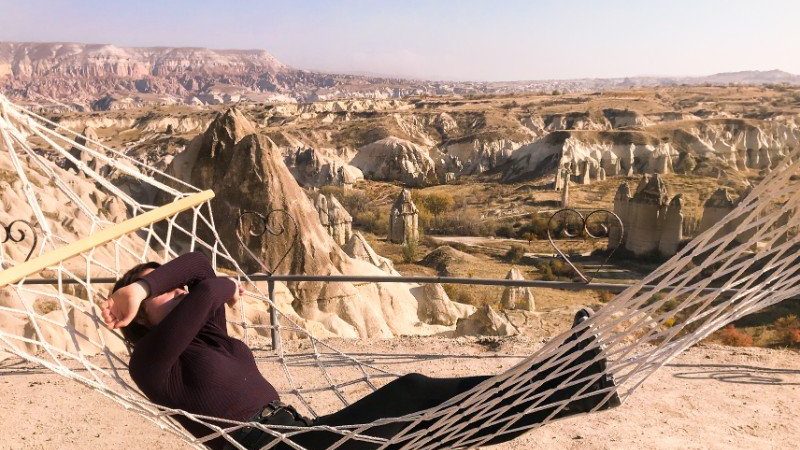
{"x":414,"y":392}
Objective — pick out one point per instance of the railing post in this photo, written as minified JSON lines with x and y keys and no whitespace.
{"x":275,"y":332}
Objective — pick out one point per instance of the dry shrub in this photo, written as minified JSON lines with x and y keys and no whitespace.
{"x":463,"y":223}
{"x":354,"y":201}
{"x":409,"y":250}
{"x":374,"y":221}
{"x":535,"y":229}
{"x":787,"y":330}
{"x":554,"y":269}
{"x":605,"y":296}
{"x":43,"y":306}
{"x":460,"y":293}
{"x":437,"y":203}
{"x":515,"y":253}
{"x":734,"y":337}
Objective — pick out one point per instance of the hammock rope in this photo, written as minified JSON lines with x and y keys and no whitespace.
{"x":743,"y":263}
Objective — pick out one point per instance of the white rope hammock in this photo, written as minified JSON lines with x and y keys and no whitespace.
{"x":750,"y":257}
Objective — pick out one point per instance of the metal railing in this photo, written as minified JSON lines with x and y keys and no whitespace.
{"x":271,"y":278}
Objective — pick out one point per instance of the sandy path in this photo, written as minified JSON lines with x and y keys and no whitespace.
{"x":710,"y":397}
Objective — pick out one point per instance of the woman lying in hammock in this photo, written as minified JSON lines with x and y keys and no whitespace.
{"x":174,"y":317}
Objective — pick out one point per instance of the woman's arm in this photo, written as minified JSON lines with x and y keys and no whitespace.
{"x":157,"y":352}
{"x":185,"y":270}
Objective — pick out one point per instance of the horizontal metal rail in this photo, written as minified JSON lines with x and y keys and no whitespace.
{"x":271,"y":279}
{"x":566,"y":285}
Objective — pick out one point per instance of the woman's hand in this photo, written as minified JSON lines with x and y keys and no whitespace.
{"x":121,"y":307}
{"x":236,"y":295}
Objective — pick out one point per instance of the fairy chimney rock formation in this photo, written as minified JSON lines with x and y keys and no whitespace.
{"x":321,"y":205}
{"x":517,"y":297}
{"x":340,"y":221}
{"x":716,"y":208}
{"x":609,"y":162}
{"x":403,"y":219}
{"x":334,"y":217}
{"x":672,"y":227}
{"x":435,"y":306}
{"x":357,"y":247}
{"x":248,"y":173}
{"x":719,"y":205}
{"x":652,"y":223}
{"x":621,"y":199}
{"x":85,"y":140}
{"x":484,"y":322}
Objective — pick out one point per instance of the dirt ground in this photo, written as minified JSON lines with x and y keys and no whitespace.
{"x":708,"y":398}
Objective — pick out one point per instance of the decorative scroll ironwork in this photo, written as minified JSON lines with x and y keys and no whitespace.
{"x":20,"y":236}
{"x":583,"y":226}
{"x":267,"y":224}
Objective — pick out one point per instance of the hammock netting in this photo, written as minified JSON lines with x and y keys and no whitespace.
{"x":745,"y":262}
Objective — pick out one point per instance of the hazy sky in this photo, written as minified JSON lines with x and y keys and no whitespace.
{"x":460,"y":40}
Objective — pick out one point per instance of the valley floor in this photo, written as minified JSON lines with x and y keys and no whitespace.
{"x":710,"y":397}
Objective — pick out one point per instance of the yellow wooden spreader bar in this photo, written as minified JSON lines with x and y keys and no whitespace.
{"x":19,"y":271}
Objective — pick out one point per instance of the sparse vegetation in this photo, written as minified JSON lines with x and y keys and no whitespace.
{"x":787,"y":330}
{"x":555,"y":269}
{"x":732,"y":336}
{"x":515,"y":253}
{"x":410,"y":251}
{"x":461,"y":293}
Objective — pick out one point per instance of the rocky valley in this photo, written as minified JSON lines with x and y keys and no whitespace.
{"x":452,"y":186}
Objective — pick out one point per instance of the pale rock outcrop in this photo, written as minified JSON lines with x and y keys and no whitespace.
{"x":517,"y":297}
{"x":672,"y":227}
{"x":84,"y":157}
{"x":652,"y":223}
{"x":715,"y":208}
{"x":248,"y":173}
{"x":619,"y":118}
{"x":579,"y":120}
{"x":357,"y":247}
{"x":740,"y":143}
{"x":341,"y":222}
{"x":321,"y":205}
{"x":479,"y":155}
{"x":52,"y":330}
{"x":534,"y":124}
{"x":333,"y":217}
{"x":63,"y":213}
{"x":313,"y":168}
{"x":403,"y":219}
{"x":435,"y":306}
{"x":617,"y":153}
{"x":394,"y":159}
{"x":621,"y":203}
{"x":686,"y":163}
{"x":610,"y":163}
{"x":564,"y":188}
{"x":445,"y":124}
{"x":701,"y":146}
{"x":484,"y":322}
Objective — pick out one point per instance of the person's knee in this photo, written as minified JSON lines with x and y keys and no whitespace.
{"x":412,"y":381}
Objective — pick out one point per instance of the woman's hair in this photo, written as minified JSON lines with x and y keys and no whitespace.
{"x":134,"y":330}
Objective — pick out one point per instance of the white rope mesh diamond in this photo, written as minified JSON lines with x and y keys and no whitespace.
{"x":744,"y":263}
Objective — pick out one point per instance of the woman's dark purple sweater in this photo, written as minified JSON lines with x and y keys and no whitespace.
{"x":188,"y":361}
